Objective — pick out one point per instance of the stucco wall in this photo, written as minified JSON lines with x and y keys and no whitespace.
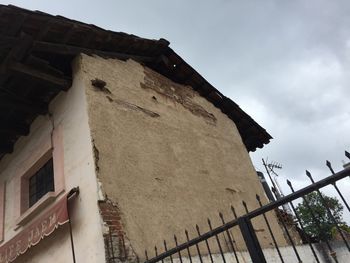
{"x":69,"y":111}
{"x":166,"y":156}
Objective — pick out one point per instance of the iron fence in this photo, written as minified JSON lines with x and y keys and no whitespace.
{"x":220,"y":244}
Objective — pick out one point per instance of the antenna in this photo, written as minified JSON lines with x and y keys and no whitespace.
{"x":270,"y":169}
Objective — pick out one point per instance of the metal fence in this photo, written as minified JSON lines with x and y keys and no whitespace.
{"x":212,"y":246}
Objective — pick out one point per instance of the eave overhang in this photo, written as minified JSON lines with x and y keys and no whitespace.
{"x":36,"y":51}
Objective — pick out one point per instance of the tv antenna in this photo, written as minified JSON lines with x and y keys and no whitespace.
{"x":276,"y":188}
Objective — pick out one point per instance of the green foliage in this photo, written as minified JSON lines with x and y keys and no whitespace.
{"x":323,"y":227}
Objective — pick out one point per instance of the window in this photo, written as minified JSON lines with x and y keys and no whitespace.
{"x":41,"y":183}
{"x":41,"y":177}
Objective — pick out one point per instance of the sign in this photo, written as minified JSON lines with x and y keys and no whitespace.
{"x":35,"y":232}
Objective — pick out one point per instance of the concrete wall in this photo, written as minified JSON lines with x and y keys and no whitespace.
{"x":69,"y":111}
{"x":287,"y":252}
{"x":165,"y":156}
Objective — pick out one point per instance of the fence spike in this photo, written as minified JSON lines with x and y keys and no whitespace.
{"x":231,"y":239}
{"x":234,"y":212}
{"x":207,"y":244}
{"x":179,"y":252}
{"x":273,"y":189}
{"x":166,"y":249}
{"x":146,"y":254}
{"x":257,"y":197}
{"x":245,"y":206}
{"x":218,"y":241}
{"x":197,"y":227}
{"x":347,"y":154}
{"x":329,"y":165}
{"x":308,"y":174}
{"x":197,"y":247}
{"x":175,"y":238}
{"x":156,"y":250}
{"x":220,"y":215}
{"x":209,"y":223}
{"x":188,"y":249}
{"x":289,"y":183}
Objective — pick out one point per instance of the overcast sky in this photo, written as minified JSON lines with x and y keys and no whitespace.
{"x":286,"y":63}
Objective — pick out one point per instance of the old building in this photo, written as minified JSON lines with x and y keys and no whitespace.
{"x":151,"y":145}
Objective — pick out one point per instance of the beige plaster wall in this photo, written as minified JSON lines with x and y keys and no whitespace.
{"x":69,"y":111}
{"x":165,"y":155}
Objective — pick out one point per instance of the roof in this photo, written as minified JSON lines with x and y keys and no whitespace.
{"x":36,"y":50}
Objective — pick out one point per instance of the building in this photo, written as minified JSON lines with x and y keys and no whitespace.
{"x":151,"y":145}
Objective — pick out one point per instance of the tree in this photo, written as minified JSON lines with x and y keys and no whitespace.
{"x":323,"y":227}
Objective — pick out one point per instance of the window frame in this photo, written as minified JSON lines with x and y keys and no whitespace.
{"x":51,"y":147}
{"x":41,"y":182}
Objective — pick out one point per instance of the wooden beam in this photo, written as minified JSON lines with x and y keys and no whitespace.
{"x":44,"y":65}
{"x":20,"y":48}
{"x":37,"y":75}
{"x":68,"y":50}
{"x":59,"y":49}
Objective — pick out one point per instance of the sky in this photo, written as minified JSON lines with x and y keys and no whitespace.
{"x":286,"y":63}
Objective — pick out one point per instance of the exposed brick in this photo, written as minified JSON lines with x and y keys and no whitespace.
{"x":117,"y":245}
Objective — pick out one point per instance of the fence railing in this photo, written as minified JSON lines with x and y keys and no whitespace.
{"x":220,"y":243}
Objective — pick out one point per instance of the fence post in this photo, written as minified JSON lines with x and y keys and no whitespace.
{"x":251,"y":240}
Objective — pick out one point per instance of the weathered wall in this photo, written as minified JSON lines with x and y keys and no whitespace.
{"x":69,"y":111}
{"x":166,"y":156}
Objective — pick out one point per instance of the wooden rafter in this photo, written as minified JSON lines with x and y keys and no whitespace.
{"x":59,"y":49}
{"x":21,"y":47}
{"x":39,"y":76}
{"x":63,"y":49}
{"x":43,"y":65}
{"x":72,"y":50}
